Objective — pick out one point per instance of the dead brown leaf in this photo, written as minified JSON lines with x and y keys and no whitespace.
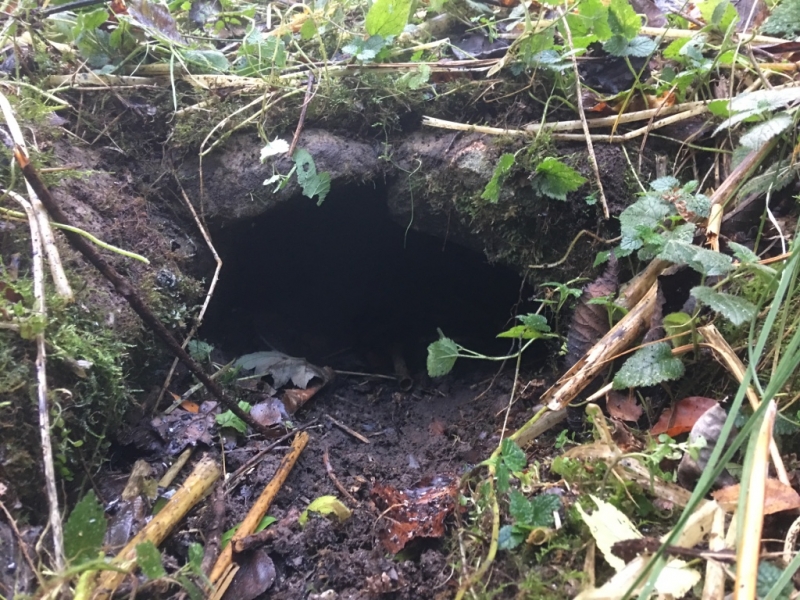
{"x":779,"y":497}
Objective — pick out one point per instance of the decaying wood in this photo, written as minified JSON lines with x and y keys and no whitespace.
{"x":196,"y":486}
{"x":630,"y":327}
{"x":221,"y":574}
{"x":125,"y":289}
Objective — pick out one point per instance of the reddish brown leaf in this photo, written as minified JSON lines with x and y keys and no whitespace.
{"x":779,"y":497}
{"x":623,"y":406}
{"x":681,"y":418}
{"x":416,"y":512}
{"x":437,"y":427}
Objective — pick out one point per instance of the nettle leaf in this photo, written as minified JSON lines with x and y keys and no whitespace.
{"x":736,"y":309}
{"x":640,"y":46}
{"x":647,"y":212}
{"x":388,"y":17}
{"x":512,"y":455}
{"x":623,"y":20}
{"x":764,"y":132}
{"x":442,"y":355}
{"x":533,"y":327}
{"x":768,"y":575}
{"x":743,"y":253}
{"x":702,"y":260}
{"x":591,"y":18}
{"x":664,"y":184}
{"x":556,"y":179}
{"x":509,"y":537}
{"x":649,"y":366}
{"x":84,"y":530}
{"x":537,"y":512}
{"x":784,"y":20}
{"x":149,"y":560}
{"x":492,"y":190}
{"x":502,"y":476}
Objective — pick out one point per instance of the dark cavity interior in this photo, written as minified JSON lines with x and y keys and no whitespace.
{"x":343,"y":285}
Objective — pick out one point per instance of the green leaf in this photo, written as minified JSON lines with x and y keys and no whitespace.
{"x":265,"y":522}
{"x":84,"y":530}
{"x":492,"y":190}
{"x":308,"y":30}
{"x":702,"y":260}
{"x":533,"y":327}
{"x":647,"y":212}
{"x":763,"y":132}
{"x":784,"y":20}
{"x":734,"y":308}
{"x":149,"y":559}
{"x":512,"y":455}
{"x":649,"y":366}
{"x":509,"y":537}
{"x":640,"y":46}
{"x":767,"y":577}
{"x":313,"y":183}
{"x":199,"y":350}
{"x":678,"y":324}
{"x":388,"y":17}
{"x":228,"y":419}
{"x":194,"y":592}
{"x":196,"y":558}
{"x":623,"y":20}
{"x":519,"y":507}
{"x":207,"y":60}
{"x":326,"y":505}
{"x":743,"y":253}
{"x":442,"y":355}
{"x":556,"y":179}
{"x":502,"y":478}
{"x":591,"y":18}
{"x":719,"y":13}
{"x":228,"y":536}
{"x":537,"y":512}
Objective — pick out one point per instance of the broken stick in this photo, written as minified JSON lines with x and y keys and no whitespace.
{"x":221,"y":573}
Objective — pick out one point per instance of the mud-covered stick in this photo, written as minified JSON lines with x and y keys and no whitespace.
{"x":126,"y":290}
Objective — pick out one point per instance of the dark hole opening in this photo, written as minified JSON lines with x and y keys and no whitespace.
{"x":342,"y":284}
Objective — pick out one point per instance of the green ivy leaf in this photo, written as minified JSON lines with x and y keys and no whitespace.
{"x":492,"y":190}
{"x":556,"y":179}
{"x":388,"y":17}
{"x":734,"y":308}
{"x":84,"y":530}
{"x":442,"y":355}
{"x":649,"y":366}
{"x":149,"y":560}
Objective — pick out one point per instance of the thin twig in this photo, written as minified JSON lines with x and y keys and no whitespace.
{"x":41,"y":381}
{"x":302,"y":118}
{"x":563,"y":259}
{"x":326,"y":459}
{"x":347,"y":429}
{"x":582,"y":114}
{"x":199,"y":319}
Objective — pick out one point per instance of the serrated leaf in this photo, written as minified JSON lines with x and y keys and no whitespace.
{"x":784,"y":20}
{"x":442,"y":355}
{"x":149,"y":560}
{"x":535,"y":322}
{"x":519,"y":507}
{"x":591,"y":18}
{"x":702,"y":260}
{"x":763,"y":132}
{"x":640,"y":46}
{"x":649,"y":366}
{"x":743,"y":253}
{"x":318,"y":186}
{"x":768,"y":575}
{"x":664,"y":184}
{"x":313,"y":183}
{"x":388,"y":17}
{"x":84,"y":530}
{"x":719,"y":13}
{"x":326,"y":505}
{"x":513,"y":456}
{"x":736,"y":309}
{"x":623,"y":20}
{"x":556,"y":179}
{"x":647,"y":212}
{"x":508,"y":538}
{"x":537,"y":512}
{"x":502,"y":477}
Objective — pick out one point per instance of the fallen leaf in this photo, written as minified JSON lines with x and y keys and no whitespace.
{"x":623,"y":406}
{"x":608,"y":526}
{"x":180,"y":428}
{"x":681,"y":418}
{"x":416,"y":512}
{"x":189,"y":406}
{"x":254,"y":577}
{"x":779,"y":497}
{"x":280,"y":367}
